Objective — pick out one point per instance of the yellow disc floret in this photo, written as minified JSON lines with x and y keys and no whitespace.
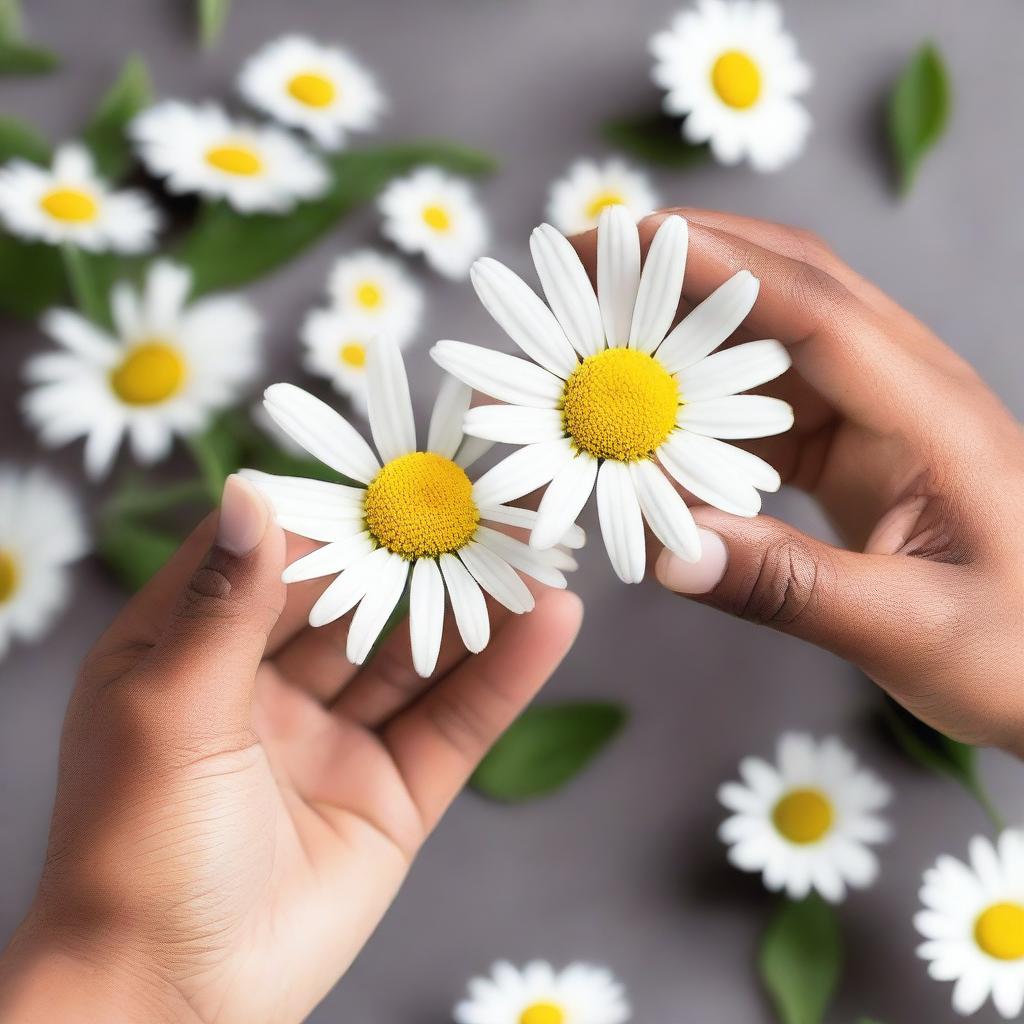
{"x":437,"y":217}
{"x":312,"y":89}
{"x":999,"y":931}
{"x":421,"y":505}
{"x":8,"y":576}
{"x":736,"y":79}
{"x":803,"y":816}
{"x":71,"y":205}
{"x":369,"y":295}
{"x":150,"y":373}
{"x":601,"y":201}
{"x":542,"y":1013}
{"x":620,"y":404}
{"x":353,"y":353}
{"x":235,"y":159}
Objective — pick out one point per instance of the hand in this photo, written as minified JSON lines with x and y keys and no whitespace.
{"x":916,"y":463}
{"x":237,"y":806}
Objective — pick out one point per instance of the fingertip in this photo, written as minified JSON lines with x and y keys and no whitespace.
{"x":697,"y":577}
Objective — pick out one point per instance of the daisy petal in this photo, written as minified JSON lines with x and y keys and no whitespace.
{"x":618,"y":273}
{"x":696,"y":467}
{"x":426,"y":615}
{"x":297,"y":496}
{"x":387,"y":396}
{"x":761,"y":474}
{"x":445,"y":432}
{"x":514,"y":424}
{"x":522,"y":471}
{"x":621,"y":523}
{"x":734,"y":370}
{"x":471,"y":449}
{"x":330,"y":559}
{"x":497,"y":577}
{"x":563,"y":500}
{"x":78,"y":335}
{"x":526,"y":519}
{"x":505,"y":377}
{"x":376,"y":607}
{"x":665,"y":511}
{"x":101,"y":447}
{"x":521,"y":557}
{"x":348,"y":589}
{"x":737,"y":416}
{"x":468,"y":604}
{"x":657,"y":298}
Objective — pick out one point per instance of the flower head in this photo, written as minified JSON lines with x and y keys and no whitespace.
{"x":578,"y":199}
{"x":377,"y":291}
{"x":336,"y":347}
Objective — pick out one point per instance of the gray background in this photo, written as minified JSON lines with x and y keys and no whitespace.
{"x":622,"y":867}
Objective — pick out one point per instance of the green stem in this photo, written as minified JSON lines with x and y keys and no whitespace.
{"x":153,"y":500}
{"x":209,"y":468}
{"x":977,"y":790}
{"x":10,"y":21}
{"x":82,"y":283}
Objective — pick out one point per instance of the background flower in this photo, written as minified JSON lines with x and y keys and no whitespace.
{"x":578,"y":199}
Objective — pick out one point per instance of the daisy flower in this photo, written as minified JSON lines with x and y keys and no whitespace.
{"x":805,"y":822}
{"x":616,"y":399}
{"x":377,"y":290}
{"x":578,"y":199}
{"x":69,"y":203}
{"x":317,"y":88}
{"x":435,"y":214}
{"x":734,"y":74}
{"x":538,"y":994}
{"x":974,"y":924}
{"x":41,"y":532}
{"x":166,"y":370}
{"x":200,"y":149}
{"x":413,"y":516}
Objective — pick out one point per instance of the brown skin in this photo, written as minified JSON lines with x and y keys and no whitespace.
{"x":237,"y":806}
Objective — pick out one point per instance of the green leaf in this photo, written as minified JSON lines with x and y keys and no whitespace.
{"x":227,"y":249}
{"x":20,"y":139}
{"x":800,"y":959}
{"x":134,"y":552}
{"x":26,"y":59}
{"x":105,"y":132}
{"x":655,"y":139}
{"x":545,"y":748}
{"x":212,"y":15}
{"x":10,"y":21}
{"x":31,"y":277}
{"x":917,"y":111}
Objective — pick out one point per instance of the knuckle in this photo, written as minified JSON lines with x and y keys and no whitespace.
{"x":815,"y":292}
{"x":785,"y":585}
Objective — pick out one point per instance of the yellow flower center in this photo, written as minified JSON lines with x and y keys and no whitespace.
{"x":369,"y":295}
{"x":542,"y":1013}
{"x":353,"y":353}
{"x":235,"y":159}
{"x":736,"y":79}
{"x":601,"y":200}
{"x":803,"y":816}
{"x":421,"y":505}
{"x":620,"y":404}
{"x":436,"y":217}
{"x":150,"y":373}
{"x":70,"y":204}
{"x":999,"y":931}
{"x":8,"y":576}
{"x":312,"y":89}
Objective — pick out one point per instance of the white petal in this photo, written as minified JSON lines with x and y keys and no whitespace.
{"x":321,"y":431}
{"x":334,"y":527}
{"x":621,"y":523}
{"x":523,"y":317}
{"x":665,"y":511}
{"x":568,"y":289}
{"x":618,"y":272}
{"x":507,"y":378}
{"x":734,"y":370}
{"x":348,"y":589}
{"x":101,"y":447}
{"x":497,"y":577}
{"x":737,"y":416}
{"x":696,"y":467}
{"x":80,"y":336}
{"x":523,"y":471}
{"x":471,"y":449}
{"x":468,"y":604}
{"x":761,"y":474}
{"x":563,"y":500}
{"x":426,"y":615}
{"x":330,"y":559}
{"x":710,"y":323}
{"x":298,"y":496}
{"x":124,"y":308}
{"x":514,"y":424}
{"x":526,"y":519}
{"x":661,"y":282}
{"x":521,"y":557}
{"x":445,"y":433}
{"x":376,"y":607}
{"x":387,"y":397}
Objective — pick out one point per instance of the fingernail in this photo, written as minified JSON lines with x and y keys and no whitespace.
{"x":243,"y":517}
{"x":700,"y":577}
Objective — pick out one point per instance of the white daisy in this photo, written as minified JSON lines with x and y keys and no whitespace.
{"x":805,"y":822}
{"x":538,"y":994}
{"x":433,"y":213}
{"x":732,"y":71}
{"x":167,"y":370}
{"x":974,"y":924}
{"x":617,"y":399}
{"x":317,"y":88}
{"x":41,"y":532}
{"x":578,"y":199}
{"x":413,"y":515}
{"x":69,"y":203}
{"x":377,"y":290}
{"x":201,"y":149}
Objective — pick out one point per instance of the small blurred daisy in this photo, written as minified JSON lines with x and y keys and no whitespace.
{"x":317,"y":88}
{"x":615,"y":401}
{"x":376,"y":290}
{"x":167,"y":370}
{"x":805,"y":822}
{"x":538,"y":994}
{"x":412,"y":518}
{"x":336,"y":346}
{"x":69,"y":203}
{"x":435,"y":214}
{"x":578,"y":199}
{"x":200,"y":149}
{"x":41,"y":532}
{"x":732,"y":71}
{"x":974,"y":924}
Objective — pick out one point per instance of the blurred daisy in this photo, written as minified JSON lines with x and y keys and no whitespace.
{"x":377,"y":290}
{"x":41,"y":532}
{"x":317,"y":88}
{"x":974,"y":924}
{"x":731,"y":70}
{"x":167,"y":370}
{"x":200,"y":149}
{"x":69,"y":203}
{"x":578,"y":199}
{"x":435,"y":214}
{"x":413,"y":516}
{"x":615,"y":399}
{"x":805,"y":822}
{"x":538,"y":994}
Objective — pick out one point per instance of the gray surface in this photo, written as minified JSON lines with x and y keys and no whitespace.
{"x":623,"y":866}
